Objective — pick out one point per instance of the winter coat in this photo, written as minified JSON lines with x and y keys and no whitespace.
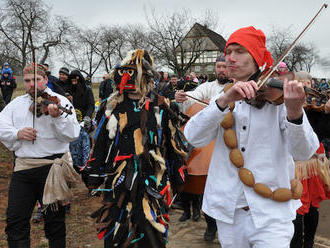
{"x":83,"y":98}
{"x":7,"y":85}
{"x":105,"y":89}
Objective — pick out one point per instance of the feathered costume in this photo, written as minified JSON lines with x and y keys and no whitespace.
{"x":140,"y":151}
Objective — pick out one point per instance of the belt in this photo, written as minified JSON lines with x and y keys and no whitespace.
{"x":54,"y":156}
{"x":246,"y":208}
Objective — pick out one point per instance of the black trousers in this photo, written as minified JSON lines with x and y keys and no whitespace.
{"x":7,"y":96}
{"x":26,"y":187}
{"x":186,"y":198}
{"x":305,"y":228}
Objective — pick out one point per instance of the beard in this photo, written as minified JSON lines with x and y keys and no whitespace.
{"x":222,"y":78}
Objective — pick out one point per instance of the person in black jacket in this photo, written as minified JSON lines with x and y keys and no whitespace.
{"x":105,"y":89}
{"x":82,"y":98}
{"x":52,"y":82}
{"x":170,"y":88}
{"x":7,"y":87}
{"x":63,"y":79}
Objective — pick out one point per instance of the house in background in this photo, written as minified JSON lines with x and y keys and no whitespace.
{"x":199,"y":49}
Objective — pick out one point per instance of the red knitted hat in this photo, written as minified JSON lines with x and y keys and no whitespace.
{"x":30,"y":69}
{"x":254,"y":40}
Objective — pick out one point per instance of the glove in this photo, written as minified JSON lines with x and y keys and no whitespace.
{"x":87,"y":122}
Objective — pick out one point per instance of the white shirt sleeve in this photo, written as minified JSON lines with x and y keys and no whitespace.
{"x":203,"y":127}
{"x":66,"y":126}
{"x":200,"y":93}
{"x":303,"y":141}
{"x":8,"y":133}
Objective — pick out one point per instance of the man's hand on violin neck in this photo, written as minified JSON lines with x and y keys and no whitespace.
{"x":54,"y":111}
{"x":294,"y":98}
{"x":27,"y":133}
{"x":239,"y":91}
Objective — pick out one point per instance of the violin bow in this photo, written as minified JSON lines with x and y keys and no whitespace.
{"x":286,"y":52}
{"x":197,"y":100}
{"x":35,"y":90}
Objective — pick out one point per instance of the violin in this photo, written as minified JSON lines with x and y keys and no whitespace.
{"x":44,"y":99}
{"x":315,"y":100}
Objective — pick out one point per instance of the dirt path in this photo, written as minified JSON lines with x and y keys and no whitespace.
{"x":81,"y":230}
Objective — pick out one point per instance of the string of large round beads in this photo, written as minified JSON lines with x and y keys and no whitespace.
{"x":245,"y":175}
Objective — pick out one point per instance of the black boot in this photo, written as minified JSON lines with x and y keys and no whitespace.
{"x":211,"y":228}
{"x":19,"y":244}
{"x":58,"y":243}
{"x":185,"y":216}
{"x":196,"y":208}
{"x":196,"y":214}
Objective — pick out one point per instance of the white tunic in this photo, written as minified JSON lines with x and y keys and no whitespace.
{"x":204,"y":91}
{"x":53,"y":134}
{"x":270,"y":144}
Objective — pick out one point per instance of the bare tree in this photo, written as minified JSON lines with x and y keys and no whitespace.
{"x":81,"y":51}
{"x":302,"y":57}
{"x":112,"y":46}
{"x":166,"y":37}
{"x":27,"y":26}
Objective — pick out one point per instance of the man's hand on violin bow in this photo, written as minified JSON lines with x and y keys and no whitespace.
{"x":54,"y":111}
{"x":180,"y":96}
{"x":239,"y":91}
{"x":27,"y":133}
{"x":294,"y":98}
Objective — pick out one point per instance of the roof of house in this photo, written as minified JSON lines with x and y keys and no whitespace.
{"x":216,"y":38}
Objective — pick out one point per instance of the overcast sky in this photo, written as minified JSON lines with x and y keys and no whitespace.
{"x":233,"y":14}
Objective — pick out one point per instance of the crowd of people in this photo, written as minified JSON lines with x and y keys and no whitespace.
{"x":254,"y":157}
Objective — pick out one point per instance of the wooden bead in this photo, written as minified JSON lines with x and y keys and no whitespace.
{"x":296,"y":189}
{"x":230,"y":138}
{"x":231,"y":106}
{"x":246,"y":177}
{"x":282,"y":195}
{"x":263,"y":190}
{"x":228,"y":121}
{"x":236,"y":158}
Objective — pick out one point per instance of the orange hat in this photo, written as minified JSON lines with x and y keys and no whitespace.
{"x":254,"y":40}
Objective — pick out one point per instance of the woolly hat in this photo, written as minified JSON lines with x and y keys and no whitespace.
{"x":220,"y":59}
{"x":254,"y":41}
{"x":30,"y":69}
{"x":282,"y":65}
{"x":65,"y":71}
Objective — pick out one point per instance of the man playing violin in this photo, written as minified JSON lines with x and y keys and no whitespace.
{"x":252,"y":200}
{"x":33,"y":147}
